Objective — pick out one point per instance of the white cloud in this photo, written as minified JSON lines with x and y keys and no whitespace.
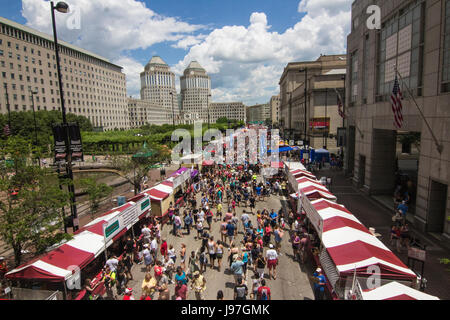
{"x":189,"y":41}
{"x":108,"y":27}
{"x":246,"y":63}
{"x":112,"y":28}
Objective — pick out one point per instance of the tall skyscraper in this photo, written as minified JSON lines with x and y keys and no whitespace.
{"x":158,"y":86}
{"x":195,"y":93}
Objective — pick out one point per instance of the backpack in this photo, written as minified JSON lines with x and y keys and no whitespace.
{"x":264,"y":294}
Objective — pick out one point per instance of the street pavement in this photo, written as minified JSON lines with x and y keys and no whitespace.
{"x":292,"y":281}
{"x":372,"y":214}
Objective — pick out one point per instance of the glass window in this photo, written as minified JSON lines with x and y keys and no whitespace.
{"x":409,"y":18}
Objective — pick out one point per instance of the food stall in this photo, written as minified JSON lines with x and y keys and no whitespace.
{"x":168,"y":191}
{"x":66,"y":266}
{"x":390,"y":291}
{"x":347,"y":250}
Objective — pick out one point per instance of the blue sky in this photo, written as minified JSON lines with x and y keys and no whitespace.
{"x":243,"y":45}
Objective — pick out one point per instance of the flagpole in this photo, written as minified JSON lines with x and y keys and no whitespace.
{"x":349,"y":115}
{"x":438,"y":146}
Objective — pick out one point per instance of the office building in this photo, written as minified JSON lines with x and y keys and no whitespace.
{"x":93,"y":86}
{"x":316,"y":124}
{"x":195,"y":93}
{"x":415,"y":37}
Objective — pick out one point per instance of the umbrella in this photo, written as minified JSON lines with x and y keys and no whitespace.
{"x":145,"y":152}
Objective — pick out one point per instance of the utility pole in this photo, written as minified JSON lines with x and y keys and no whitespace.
{"x":8,"y":107}
{"x":64,"y":8}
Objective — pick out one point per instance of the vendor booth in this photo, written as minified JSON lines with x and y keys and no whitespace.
{"x":320,"y":155}
{"x":168,"y":191}
{"x":348,"y":250}
{"x":391,"y":291}
{"x":68,"y":264}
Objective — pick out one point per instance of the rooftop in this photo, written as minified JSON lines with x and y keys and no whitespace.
{"x":50,"y":38}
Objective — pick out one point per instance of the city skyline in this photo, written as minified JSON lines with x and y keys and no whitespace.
{"x":244,"y":53}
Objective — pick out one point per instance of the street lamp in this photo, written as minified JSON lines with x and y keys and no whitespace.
{"x":173,"y":113}
{"x":8,"y":107}
{"x":64,"y":8}
{"x":305,"y":70}
{"x":35,"y":126}
{"x":207,"y":101}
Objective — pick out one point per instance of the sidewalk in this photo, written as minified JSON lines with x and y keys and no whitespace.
{"x":374,"y":214}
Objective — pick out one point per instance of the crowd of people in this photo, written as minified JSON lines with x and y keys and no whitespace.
{"x":251,"y":250}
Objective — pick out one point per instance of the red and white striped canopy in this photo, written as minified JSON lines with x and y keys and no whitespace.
{"x":314,"y":190}
{"x":298,"y":173}
{"x":396,"y":291}
{"x":87,"y":244}
{"x":161,"y":191}
{"x":351,"y":245}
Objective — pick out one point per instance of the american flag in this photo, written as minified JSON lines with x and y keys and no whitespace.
{"x":339,"y":102}
{"x":396,"y":100}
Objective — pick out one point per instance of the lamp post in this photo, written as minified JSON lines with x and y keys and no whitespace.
{"x":7,"y":106}
{"x":325,"y":135}
{"x":35,"y":126}
{"x":64,"y":8}
{"x":173,"y":112}
{"x":305,"y":70}
{"x":207,"y":102}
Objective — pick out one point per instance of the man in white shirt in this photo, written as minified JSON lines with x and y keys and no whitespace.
{"x":154,"y":248}
{"x":201,"y":215}
{"x":272,"y":261}
{"x":112,"y":263}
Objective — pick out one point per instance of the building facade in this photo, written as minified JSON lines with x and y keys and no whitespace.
{"x":229,"y":110}
{"x":415,"y":37}
{"x":158,"y":87}
{"x":195,"y":93}
{"x":93,"y":86}
{"x":320,"y":117}
{"x":258,"y":113}
{"x":142,"y":113}
{"x":275,"y":109}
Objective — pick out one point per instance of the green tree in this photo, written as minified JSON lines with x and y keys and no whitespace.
{"x":30,"y":201}
{"x":96,"y":193}
{"x":134,"y":169}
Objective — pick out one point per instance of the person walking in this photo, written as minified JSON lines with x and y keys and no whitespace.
{"x":149,"y":285}
{"x":148,"y":258}
{"x":237,"y":267}
{"x":319,"y":284}
{"x":240,"y":290}
{"x":264,"y":291}
{"x":272,"y":261}
{"x":202,"y":259}
{"x":212,"y":251}
{"x":199,"y":285}
{"x":193,"y":264}
{"x":219,"y":254}
{"x":278,"y":235}
{"x":188,"y":223}
{"x":183,"y":256}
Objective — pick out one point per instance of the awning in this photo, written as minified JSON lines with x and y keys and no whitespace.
{"x":156,"y":194}
{"x":302,"y":173}
{"x":351,"y":246}
{"x":395,"y":291}
{"x":314,"y":192}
